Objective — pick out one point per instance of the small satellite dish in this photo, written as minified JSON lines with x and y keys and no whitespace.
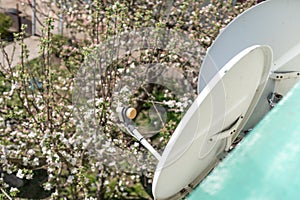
{"x":205,"y":131}
{"x":274,"y":23}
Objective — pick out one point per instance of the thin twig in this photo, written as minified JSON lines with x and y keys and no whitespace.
{"x":6,"y":194}
{"x":153,"y":103}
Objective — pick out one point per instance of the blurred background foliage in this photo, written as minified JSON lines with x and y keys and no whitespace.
{"x":5,"y":24}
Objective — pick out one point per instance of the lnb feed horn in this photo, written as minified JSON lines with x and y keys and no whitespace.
{"x":126,"y":114}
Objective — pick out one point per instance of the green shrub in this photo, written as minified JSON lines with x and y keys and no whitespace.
{"x":5,"y":24}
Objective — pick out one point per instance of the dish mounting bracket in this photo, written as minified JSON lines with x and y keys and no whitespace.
{"x":229,"y":133}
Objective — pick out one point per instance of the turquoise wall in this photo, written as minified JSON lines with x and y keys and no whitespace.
{"x":266,"y":164}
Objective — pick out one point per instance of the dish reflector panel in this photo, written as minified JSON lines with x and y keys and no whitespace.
{"x":274,"y":23}
{"x":194,"y":147}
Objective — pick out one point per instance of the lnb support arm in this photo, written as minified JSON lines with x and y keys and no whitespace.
{"x":126,"y":114}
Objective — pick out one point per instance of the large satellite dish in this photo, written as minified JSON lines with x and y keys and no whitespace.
{"x":274,"y":23}
{"x":220,"y":110}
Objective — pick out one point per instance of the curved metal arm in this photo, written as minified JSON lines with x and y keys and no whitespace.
{"x":128,"y":124}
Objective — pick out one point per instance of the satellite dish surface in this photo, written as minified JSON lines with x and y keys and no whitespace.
{"x":220,"y":110}
{"x":274,"y":23}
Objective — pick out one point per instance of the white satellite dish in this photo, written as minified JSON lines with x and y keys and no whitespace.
{"x":205,"y":131}
{"x":274,"y":23}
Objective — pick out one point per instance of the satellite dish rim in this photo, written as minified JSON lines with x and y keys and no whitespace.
{"x":273,"y":23}
{"x":218,"y":79}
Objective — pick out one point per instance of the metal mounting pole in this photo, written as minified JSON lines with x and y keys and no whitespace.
{"x":33,"y":27}
{"x":61,"y":23}
{"x":61,"y":19}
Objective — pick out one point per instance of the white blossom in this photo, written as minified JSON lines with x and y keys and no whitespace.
{"x":36,"y":161}
{"x":47,"y":186}
{"x":29,"y":176}
{"x":13,"y":189}
{"x":70,"y":179}
{"x":20,"y":174}
{"x":30,"y":152}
